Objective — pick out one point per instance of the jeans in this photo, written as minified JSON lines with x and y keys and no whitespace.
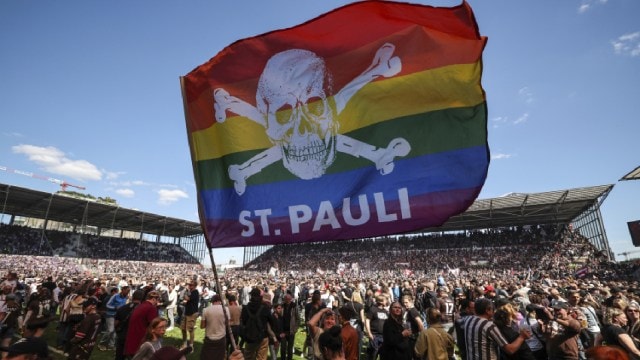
{"x":374,"y":347}
{"x":109,"y":336}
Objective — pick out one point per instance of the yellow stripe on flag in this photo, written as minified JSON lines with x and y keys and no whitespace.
{"x":447,"y":87}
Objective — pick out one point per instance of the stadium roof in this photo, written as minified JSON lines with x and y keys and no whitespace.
{"x":53,"y":206}
{"x":517,"y":209}
{"x":633,"y":175}
{"x":560,"y":206}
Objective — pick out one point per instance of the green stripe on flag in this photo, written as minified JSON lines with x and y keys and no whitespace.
{"x":427,"y":133}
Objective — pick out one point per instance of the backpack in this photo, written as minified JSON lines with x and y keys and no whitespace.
{"x":251,"y":332}
{"x":429,"y":301}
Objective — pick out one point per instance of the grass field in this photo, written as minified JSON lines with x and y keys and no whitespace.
{"x":173,"y":337}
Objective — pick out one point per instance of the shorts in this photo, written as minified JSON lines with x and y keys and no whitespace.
{"x":189,"y":322}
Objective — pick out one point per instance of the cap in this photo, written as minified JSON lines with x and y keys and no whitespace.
{"x":488,"y":288}
{"x":501,"y":301}
{"x":90,"y":301}
{"x":560,"y":305}
{"x":171,"y":353}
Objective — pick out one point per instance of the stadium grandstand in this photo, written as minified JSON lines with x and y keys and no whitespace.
{"x":49,"y":214}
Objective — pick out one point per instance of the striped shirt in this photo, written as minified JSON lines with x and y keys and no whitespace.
{"x":482,"y":338}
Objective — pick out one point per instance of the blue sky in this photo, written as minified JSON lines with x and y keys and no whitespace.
{"x":90,"y":94}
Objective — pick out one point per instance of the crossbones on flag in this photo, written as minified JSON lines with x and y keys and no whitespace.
{"x":365,"y":121}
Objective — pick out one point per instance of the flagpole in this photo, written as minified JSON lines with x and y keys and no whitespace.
{"x":213,"y":264}
{"x":219,"y":291}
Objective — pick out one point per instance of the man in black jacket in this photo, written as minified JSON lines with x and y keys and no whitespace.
{"x":253,"y":320}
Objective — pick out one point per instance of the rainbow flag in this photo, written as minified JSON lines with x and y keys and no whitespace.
{"x":365,"y":121}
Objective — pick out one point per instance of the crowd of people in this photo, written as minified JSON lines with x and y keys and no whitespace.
{"x":540,"y":292}
{"x":24,"y":240}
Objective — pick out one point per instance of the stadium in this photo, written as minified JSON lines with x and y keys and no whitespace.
{"x":97,"y":222}
{"x":555,"y":238}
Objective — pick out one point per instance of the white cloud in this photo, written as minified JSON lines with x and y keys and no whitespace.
{"x":54,"y":161}
{"x":13,"y":134}
{"x":627,"y":44}
{"x":500,"y":156}
{"x":128,"y":193}
{"x":167,"y":197}
{"x":112,"y":175}
{"x":499,"y":121}
{"x":526,"y":95}
{"x":521,"y":119}
{"x":587,"y":5}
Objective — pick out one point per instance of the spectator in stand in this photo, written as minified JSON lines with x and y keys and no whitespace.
{"x":139,"y":321}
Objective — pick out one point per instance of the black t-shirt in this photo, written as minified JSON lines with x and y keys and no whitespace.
{"x":191,"y":307}
{"x":377,"y":317}
{"x":523,"y":353}
{"x":610,"y":334}
{"x":412,"y":314}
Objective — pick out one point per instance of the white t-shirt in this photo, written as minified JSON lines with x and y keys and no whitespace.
{"x":214,"y":321}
